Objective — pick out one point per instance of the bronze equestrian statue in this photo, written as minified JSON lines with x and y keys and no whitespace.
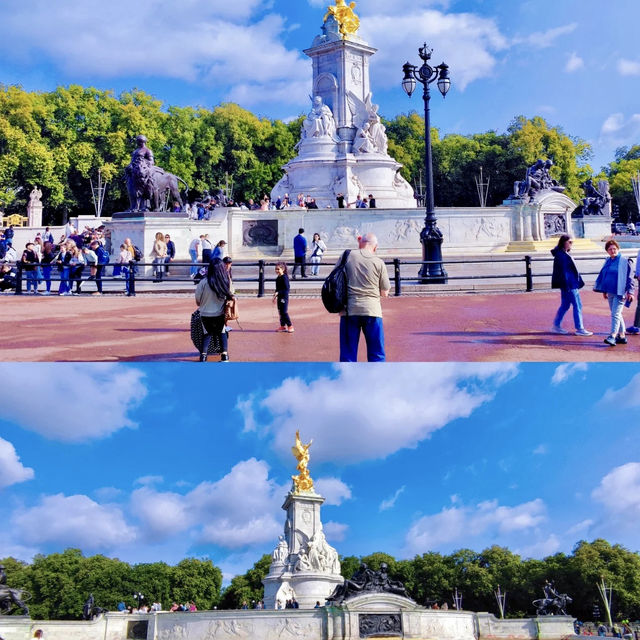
{"x":10,"y":597}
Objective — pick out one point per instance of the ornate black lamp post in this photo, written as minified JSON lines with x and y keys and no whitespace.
{"x":430,"y":236}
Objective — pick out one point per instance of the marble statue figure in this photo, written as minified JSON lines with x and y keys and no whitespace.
{"x":319,"y":122}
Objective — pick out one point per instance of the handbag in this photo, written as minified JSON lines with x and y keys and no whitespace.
{"x":231,"y":310}
{"x":198,"y":333}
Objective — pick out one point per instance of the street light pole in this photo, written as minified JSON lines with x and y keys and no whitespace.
{"x":430,"y":237}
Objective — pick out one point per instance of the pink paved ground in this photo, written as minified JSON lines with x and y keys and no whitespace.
{"x":155,"y":327}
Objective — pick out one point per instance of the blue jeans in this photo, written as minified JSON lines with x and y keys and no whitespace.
{"x":32,"y":280}
{"x":194,"y":259}
{"x":371,"y":326}
{"x":64,"y":285}
{"x":46,"y":274}
{"x":616,"y":304}
{"x":570,"y":298}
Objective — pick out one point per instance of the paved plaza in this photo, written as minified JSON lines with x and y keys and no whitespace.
{"x":155,"y":327}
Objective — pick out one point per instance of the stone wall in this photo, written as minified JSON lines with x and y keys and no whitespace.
{"x":327,"y":623}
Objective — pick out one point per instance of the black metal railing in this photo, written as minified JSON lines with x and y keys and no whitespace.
{"x":404,"y":273}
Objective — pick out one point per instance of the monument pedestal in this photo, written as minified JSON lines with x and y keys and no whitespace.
{"x":305,"y":566}
{"x":343,"y":148}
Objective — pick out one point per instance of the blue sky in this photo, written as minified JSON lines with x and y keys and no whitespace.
{"x":160,"y":462}
{"x":574,"y":62}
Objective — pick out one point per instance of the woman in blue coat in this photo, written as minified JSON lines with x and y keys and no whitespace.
{"x":566,"y":278}
{"x":615,"y":283}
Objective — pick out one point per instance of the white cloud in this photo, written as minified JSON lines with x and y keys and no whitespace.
{"x":74,"y":521}
{"x":390,"y":502}
{"x":107,"y":494}
{"x":619,"y":493}
{"x":333,"y":489}
{"x":540,"y":450}
{"x":238,"y":510}
{"x":544,"y":39}
{"x":99,"y":398}
{"x":207,"y":43}
{"x":148,"y":480}
{"x":370,"y":425}
{"x":162,"y":514}
{"x":574,"y":63}
{"x":616,"y":130}
{"x":12,"y":471}
{"x":580,"y":527}
{"x":628,"y":67}
{"x":564,"y":371}
{"x":466,"y":42}
{"x":456,"y":524}
{"x":335,"y":531}
{"x":541,"y":548}
{"x":628,"y":396}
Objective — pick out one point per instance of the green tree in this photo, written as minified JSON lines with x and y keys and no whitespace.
{"x":247,"y":587}
{"x":197,"y":580}
{"x":619,"y":173}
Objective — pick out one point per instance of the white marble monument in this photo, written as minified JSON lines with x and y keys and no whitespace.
{"x":304,"y":565}
{"x":34,"y":208}
{"x":343,"y":144}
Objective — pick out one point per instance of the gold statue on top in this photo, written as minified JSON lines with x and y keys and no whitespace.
{"x":303,"y":482}
{"x":347,"y":20}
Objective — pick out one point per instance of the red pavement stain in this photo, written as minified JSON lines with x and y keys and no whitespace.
{"x":471,"y":327}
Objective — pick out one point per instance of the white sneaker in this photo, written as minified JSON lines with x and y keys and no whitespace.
{"x":584,"y":332}
{"x":559,"y":330}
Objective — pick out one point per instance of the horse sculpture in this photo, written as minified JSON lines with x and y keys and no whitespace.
{"x":10,"y":598}
{"x":553,"y":603}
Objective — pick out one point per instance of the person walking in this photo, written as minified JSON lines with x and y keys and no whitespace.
{"x":615,"y":283}
{"x":281,"y":298}
{"x":212,"y":293}
{"x":299,"y":254}
{"x":367,"y":282}
{"x":318,"y":247}
{"x":566,"y":278}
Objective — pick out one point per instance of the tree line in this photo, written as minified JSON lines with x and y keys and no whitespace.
{"x":61,"y":582}
{"x":58,"y":140}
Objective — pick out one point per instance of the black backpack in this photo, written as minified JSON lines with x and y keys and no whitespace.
{"x":137,"y":254}
{"x":334,"y":288}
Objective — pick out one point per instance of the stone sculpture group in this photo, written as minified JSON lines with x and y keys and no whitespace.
{"x":538,"y":178}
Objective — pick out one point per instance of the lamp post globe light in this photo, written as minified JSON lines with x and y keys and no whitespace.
{"x":432,"y":270}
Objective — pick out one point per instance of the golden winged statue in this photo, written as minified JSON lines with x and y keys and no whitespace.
{"x":303,"y":482}
{"x":347,"y":20}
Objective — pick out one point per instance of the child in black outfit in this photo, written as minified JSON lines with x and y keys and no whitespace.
{"x":281,"y":296}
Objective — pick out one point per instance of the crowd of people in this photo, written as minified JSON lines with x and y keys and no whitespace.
{"x":203,"y":208}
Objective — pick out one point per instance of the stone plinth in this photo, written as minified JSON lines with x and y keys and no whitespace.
{"x":480,"y":230}
{"x":327,"y":623}
{"x":543,"y":627}
{"x":304,"y":565}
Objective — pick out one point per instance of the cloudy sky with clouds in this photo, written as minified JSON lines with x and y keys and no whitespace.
{"x":159,"y":462}
{"x":574,"y":62}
